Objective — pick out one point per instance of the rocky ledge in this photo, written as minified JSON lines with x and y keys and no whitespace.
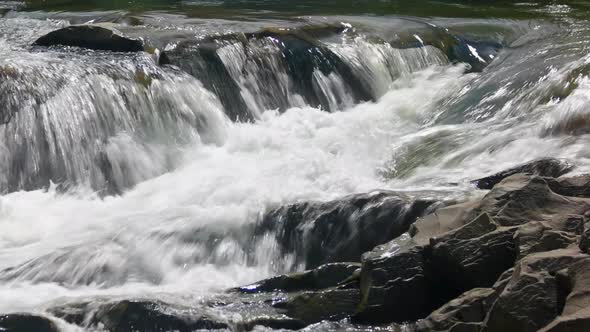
{"x":516,"y":259}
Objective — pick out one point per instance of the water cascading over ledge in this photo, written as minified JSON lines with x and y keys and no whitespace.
{"x":122,"y":119}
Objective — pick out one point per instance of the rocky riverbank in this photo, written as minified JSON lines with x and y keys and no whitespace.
{"x":516,"y":259}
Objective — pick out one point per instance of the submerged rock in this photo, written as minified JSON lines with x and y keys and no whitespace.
{"x":234,"y":66}
{"x":26,"y":323}
{"x":549,"y":167}
{"x":94,"y":37}
{"x":137,"y":315}
{"x":325,"y":276}
{"x":342,"y":230}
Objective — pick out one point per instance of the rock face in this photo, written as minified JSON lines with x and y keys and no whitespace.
{"x":25,"y":323}
{"x":342,"y":230}
{"x":459,"y":248}
{"x":94,"y":37}
{"x":549,"y":167}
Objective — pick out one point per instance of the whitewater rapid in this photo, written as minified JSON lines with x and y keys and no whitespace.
{"x":221,"y":177}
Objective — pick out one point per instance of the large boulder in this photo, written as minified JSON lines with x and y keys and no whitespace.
{"x":94,"y":37}
{"x":549,"y":167}
{"x":342,"y":230}
{"x":26,"y":323}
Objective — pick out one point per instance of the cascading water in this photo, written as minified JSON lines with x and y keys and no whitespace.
{"x":124,"y":175}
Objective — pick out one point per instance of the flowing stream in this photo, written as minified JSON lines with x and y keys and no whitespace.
{"x":120,"y":176}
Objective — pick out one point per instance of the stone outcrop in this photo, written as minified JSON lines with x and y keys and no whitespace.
{"x":459,"y":248}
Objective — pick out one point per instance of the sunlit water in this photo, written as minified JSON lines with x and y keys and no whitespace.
{"x":184,"y":172}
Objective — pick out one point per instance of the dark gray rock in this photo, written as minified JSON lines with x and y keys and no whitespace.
{"x":396,"y":285}
{"x":576,"y":186}
{"x":465,"y":263}
{"x":325,"y":276}
{"x":465,"y":312}
{"x":549,"y":167}
{"x":465,"y":246}
{"x":26,"y":323}
{"x":521,"y":198}
{"x":535,"y":237}
{"x":534,"y":296}
{"x":342,"y":230}
{"x":137,"y":315}
{"x":95,"y":37}
{"x":329,"y":304}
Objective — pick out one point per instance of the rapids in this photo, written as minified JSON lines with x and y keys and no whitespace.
{"x":120,"y":176}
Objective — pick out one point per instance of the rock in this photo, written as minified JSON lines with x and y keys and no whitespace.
{"x":395,"y":285}
{"x":578,"y":322}
{"x":331,"y":304}
{"x":325,"y":276}
{"x":26,"y":323}
{"x":549,"y":167}
{"x":132,"y":315}
{"x":534,"y":296}
{"x":535,"y":237}
{"x":467,"y":311}
{"x":295,"y":53}
{"x":521,"y":198}
{"x":584,"y":244}
{"x":575,"y":186}
{"x":465,"y":246}
{"x":95,"y":37}
{"x":464,"y":259}
{"x":342,"y":230}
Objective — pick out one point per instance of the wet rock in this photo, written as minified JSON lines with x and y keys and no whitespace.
{"x":468,"y":311}
{"x":521,"y":198}
{"x":232,"y":64}
{"x":137,"y":315}
{"x":330,"y":304}
{"x":534,"y":296}
{"x":549,"y":167}
{"x":584,"y":244}
{"x":325,"y":276}
{"x":575,"y":186}
{"x":342,"y":230}
{"x":95,"y":37}
{"x":26,"y":323}
{"x":464,"y":246}
{"x":464,"y":259}
{"x":396,"y":285}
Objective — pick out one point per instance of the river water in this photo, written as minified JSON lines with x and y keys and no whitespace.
{"x":115,"y":171}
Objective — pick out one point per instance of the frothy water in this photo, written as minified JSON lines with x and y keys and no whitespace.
{"x":190,"y":184}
